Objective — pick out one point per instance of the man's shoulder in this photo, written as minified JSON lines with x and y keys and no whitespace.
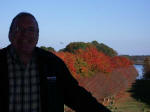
{"x":3,"y":51}
{"x":47,"y":55}
{"x":3,"y":56}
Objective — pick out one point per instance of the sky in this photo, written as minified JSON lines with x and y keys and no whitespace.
{"x":123,"y":25}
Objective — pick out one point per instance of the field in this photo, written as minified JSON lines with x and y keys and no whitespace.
{"x":129,"y":104}
{"x":136,"y":99}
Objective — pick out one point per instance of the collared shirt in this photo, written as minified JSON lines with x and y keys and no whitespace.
{"x":24,"y":95}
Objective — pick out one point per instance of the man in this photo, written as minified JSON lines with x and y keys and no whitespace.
{"x":28,"y":75}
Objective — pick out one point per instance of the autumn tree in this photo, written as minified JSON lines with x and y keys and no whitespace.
{"x":70,"y":60}
{"x":82,"y":67}
{"x":97,"y":61}
{"x":120,"y":61}
{"x":84,"y":59}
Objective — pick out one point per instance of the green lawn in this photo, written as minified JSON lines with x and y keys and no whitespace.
{"x":136,"y":99}
{"x":131,"y":105}
{"x":128,"y":104}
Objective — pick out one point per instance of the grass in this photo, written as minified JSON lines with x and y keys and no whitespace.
{"x":129,"y":104}
{"x":136,"y":100}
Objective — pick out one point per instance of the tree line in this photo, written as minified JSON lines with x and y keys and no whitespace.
{"x":97,"y":64}
{"x":86,"y":59}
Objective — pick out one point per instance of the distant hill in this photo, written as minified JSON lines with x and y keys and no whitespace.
{"x":137,"y":59}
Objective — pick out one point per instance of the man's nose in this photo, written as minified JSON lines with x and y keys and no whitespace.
{"x":23,"y":32}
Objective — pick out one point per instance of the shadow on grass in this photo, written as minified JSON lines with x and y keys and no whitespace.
{"x":141,"y":91}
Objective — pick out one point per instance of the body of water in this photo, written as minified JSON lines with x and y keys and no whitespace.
{"x":139,"y":68}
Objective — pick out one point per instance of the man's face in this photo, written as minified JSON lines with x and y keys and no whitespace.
{"x":25,"y":35}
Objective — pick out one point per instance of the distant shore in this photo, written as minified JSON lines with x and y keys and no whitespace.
{"x":137,"y":60}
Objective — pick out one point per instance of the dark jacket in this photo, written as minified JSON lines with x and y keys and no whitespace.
{"x":53,"y":93}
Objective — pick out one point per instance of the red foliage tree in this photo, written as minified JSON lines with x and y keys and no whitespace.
{"x":69,"y":60}
{"x":97,"y":61}
{"x":89,"y":61}
{"x":119,"y":61}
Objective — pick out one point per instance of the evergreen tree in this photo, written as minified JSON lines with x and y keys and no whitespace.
{"x":146,"y":68}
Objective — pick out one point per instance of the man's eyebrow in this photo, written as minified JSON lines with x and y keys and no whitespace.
{"x":32,"y":27}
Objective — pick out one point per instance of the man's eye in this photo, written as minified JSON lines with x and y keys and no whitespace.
{"x":16,"y":29}
{"x":31,"y":30}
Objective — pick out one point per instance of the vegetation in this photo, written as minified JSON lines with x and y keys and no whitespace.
{"x":72,"y":47}
{"x":136,"y":59}
{"x":48,"y":48}
{"x":104,"y":48}
{"x":146,"y":68}
{"x":129,"y":104}
{"x":96,"y":66}
{"x":140,"y":91}
{"x":88,"y":61}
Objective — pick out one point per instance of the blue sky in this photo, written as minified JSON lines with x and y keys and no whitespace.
{"x":123,"y":25}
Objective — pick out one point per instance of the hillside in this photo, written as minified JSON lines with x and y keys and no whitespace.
{"x":108,"y":88}
{"x":120,"y":79}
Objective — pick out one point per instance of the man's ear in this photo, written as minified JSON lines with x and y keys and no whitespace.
{"x":37,"y":38}
{"x":37,"y":41}
{"x":10,"y":37}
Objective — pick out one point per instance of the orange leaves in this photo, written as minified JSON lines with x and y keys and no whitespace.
{"x":97,"y":61}
{"x":69,"y":60}
{"x":118,"y":61}
{"x":89,"y":61}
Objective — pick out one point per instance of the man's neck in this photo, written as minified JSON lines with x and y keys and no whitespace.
{"x":25,"y":58}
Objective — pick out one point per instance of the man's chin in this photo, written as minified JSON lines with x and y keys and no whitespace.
{"x":26,"y":51}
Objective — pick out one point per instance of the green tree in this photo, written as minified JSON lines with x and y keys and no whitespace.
{"x":82,"y":67}
{"x":146,"y":68}
{"x":104,"y":48}
{"x":73,"y":46}
{"x":48,"y":48}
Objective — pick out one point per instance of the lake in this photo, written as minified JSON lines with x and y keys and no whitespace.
{"x":139,"y":68}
